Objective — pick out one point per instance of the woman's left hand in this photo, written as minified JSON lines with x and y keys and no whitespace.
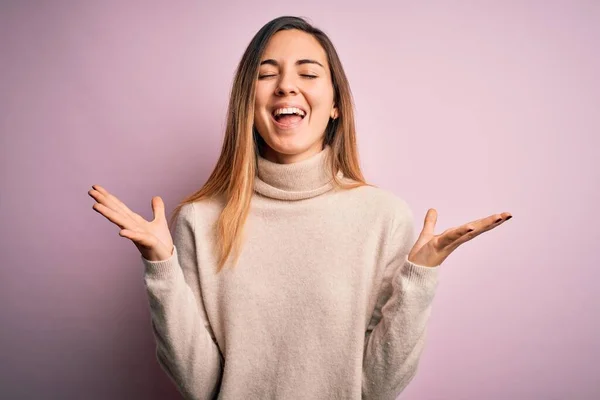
{"x":431,"y":250}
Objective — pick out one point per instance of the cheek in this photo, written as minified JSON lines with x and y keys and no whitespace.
{"x":320,"y":98}
{"x":260,"y":113}
{"x":261,"y":97}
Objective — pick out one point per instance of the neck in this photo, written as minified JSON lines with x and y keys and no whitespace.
{"x":304,"y":179}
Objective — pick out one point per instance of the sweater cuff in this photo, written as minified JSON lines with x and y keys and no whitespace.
{"x":161,"y":269}
{"x":420,"y":274}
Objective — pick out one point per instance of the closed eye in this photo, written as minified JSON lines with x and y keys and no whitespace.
{"x":304,"y":75}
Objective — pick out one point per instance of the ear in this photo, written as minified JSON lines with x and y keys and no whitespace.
{"x":334,"y":113}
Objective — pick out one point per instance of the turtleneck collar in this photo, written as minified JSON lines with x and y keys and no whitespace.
{"x":300,"y":180}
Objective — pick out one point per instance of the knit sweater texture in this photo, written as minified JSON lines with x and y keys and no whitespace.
{"x":323,"y":303}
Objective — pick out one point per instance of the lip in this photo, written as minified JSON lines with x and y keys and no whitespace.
{"x":288,"y":105}
{"x":286,"y":127}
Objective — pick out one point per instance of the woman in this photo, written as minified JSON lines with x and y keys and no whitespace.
{"x":287,"y":275}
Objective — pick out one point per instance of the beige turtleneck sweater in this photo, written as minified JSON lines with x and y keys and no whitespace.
{"x":323,"y":303}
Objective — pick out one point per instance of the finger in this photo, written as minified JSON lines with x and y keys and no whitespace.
{"x":106,"y":202}
{"x":491,"y":224}
{"x":492,"y":220}
{"x":478,"y":223}
{"x":118,"y":219}
{"x":429,"y":223}
{"x":452,"y":235}
{"x":158,"y":208}
{"x":140,"y":238}
{"x":472,"y":224}
{"x":113,"y":202}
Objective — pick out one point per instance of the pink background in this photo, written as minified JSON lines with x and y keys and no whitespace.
{"x":472,"y":108}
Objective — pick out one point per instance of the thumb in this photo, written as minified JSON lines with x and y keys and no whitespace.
{"x":158,"y":207}
{"x":429,"y":223}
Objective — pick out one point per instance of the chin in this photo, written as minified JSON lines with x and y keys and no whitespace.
{"x":290,"y":149}
{"x":294,"y":145}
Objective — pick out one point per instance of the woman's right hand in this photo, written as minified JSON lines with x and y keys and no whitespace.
{"x":153,"y":239}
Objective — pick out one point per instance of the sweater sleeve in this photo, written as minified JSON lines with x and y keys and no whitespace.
{"x":396,"y":335}
{"x":185,"y":345}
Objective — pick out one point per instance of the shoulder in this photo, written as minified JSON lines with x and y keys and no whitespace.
{"x":200,"y":212}
{"x":208,"y":207}
{"x":394,"y":213}
{"x":382,"y":202}
{"x":379,"y":210}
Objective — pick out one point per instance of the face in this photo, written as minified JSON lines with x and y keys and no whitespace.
{"x":294,"y":97}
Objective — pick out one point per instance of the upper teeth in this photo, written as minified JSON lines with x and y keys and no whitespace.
{"x":290,"y":110}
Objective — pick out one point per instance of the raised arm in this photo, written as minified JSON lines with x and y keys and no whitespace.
{"x":395,"y":338}
{"x":185,"y":345}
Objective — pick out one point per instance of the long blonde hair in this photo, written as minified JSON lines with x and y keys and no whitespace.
{"x":234,"y":174}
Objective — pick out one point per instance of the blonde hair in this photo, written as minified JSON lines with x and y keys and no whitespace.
{"x":233,"y":176}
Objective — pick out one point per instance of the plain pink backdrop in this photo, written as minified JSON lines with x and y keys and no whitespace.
{"x":471,"y":108}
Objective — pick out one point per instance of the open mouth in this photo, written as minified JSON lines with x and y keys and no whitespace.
{"x":287,"y":117}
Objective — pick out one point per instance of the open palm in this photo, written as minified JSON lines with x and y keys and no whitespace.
{"x":152,"y":238}
{"x":431,"y":250}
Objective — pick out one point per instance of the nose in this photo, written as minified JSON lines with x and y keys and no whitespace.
{"x":286,"y":85}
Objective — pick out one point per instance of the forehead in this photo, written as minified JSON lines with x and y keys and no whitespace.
{"x":293,"y":44}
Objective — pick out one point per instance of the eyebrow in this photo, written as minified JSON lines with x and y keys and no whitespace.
{"x":270,"y":61}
